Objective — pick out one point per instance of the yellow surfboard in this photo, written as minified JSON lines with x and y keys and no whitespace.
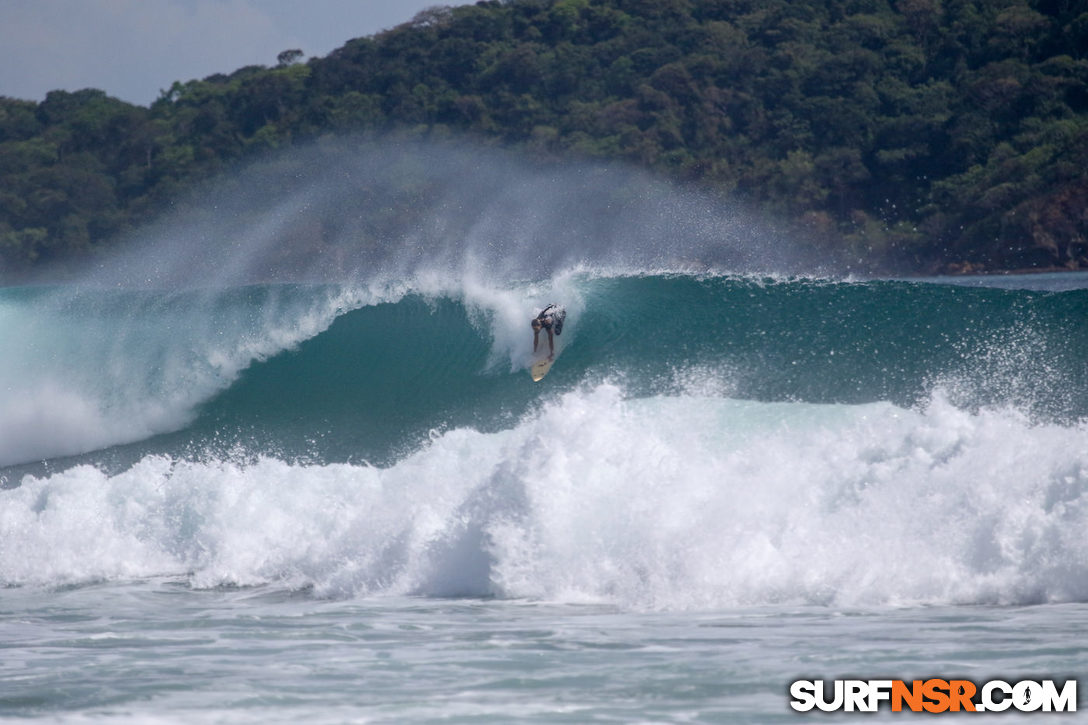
{"x":540,"y":368}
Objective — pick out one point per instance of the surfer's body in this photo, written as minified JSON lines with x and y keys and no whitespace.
{"x":551,"y":319}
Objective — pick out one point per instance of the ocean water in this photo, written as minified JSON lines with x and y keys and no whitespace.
{"x":240,"y":495}
{"x":285,"y":502}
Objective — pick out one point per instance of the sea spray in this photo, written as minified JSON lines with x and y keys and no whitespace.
{"x":357,"y":211}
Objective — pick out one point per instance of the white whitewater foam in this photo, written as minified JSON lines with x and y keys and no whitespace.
{"x":681,"y":502}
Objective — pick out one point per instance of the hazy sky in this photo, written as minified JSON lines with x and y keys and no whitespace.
{"x":132,"y":49}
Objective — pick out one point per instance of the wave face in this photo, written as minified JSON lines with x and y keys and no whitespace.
{"x":701,"y":441}
{"x":386,"y":376}
{"x":339,"y":375}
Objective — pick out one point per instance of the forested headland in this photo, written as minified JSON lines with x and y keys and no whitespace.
{"x":931,"y":135}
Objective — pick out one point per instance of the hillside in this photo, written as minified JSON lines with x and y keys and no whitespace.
{"x":929,"y":135}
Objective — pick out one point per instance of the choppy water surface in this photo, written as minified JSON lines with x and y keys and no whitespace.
{"x":160,"y":652}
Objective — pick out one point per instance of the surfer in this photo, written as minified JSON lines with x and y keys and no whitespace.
{"x":551,"y":319}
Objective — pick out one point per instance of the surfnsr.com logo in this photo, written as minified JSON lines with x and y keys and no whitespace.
{"x":934,"y":696}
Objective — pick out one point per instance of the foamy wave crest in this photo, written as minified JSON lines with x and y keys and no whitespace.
{"x":687,"y":501}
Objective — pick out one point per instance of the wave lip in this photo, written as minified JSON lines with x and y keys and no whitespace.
{"x":664,"y":503}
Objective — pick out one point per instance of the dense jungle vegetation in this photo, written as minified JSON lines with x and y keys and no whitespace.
{"x":933,"y":135}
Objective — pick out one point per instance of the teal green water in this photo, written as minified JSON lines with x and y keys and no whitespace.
{"x":330,"y":374}
{"x":381,"y":377}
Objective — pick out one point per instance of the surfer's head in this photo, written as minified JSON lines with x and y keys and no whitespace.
{"x":536,"y":323}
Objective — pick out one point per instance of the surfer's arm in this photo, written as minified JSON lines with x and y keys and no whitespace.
{"x":551,"y":343}
{"x":536,"y":339}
